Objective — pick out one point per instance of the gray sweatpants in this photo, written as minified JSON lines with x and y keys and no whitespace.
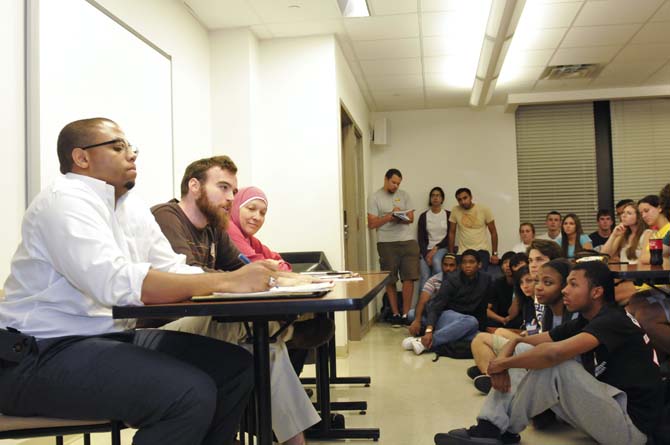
{"x":577,"y":397}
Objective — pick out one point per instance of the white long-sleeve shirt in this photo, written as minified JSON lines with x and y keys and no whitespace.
{"x":80,"y":254}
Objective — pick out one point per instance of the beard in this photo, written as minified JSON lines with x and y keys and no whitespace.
{"x":217,"y":217}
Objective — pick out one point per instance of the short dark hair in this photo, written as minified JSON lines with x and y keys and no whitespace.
{"x":652,"y":200}
{"x":198,"y":170}
{"x":623,"y":202}
{"x":391,"y":172}
{"x":463,"y":189}
{"x":77,"y":134}
{"x":472,"y":253}
{"x":603,"y":212}
{"x":549,"y":248}
{"x":517,"y":259}
{"x":553,"y":212}
{"x":598,"y":274}
{"x":507,"y":256}
{"x":435,"y":189}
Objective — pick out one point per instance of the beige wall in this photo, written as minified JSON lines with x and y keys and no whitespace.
{"x":453,"y":148}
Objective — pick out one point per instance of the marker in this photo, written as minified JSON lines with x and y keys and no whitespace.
{"x":244,"y":258}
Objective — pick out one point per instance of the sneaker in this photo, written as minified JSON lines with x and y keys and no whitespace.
{"x":405,"y":320}
{"x":473,"y":372}
{"x":544,"y":420}
{"x":483,"y":383}
{"x":407,"y":343}
{"x":484,"y":433}
{"x":418,"y":346}
{"x":396,"y":320}
{"x":510,"y":438}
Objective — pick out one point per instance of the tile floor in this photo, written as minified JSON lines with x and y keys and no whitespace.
{"x":411,"y":398}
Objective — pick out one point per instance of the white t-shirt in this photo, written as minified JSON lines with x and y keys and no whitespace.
{"x":436,"y":226}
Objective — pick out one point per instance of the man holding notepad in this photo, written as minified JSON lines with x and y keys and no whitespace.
{"x":391,"y":213}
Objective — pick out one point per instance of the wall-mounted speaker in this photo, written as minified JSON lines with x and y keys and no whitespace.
{"x":380,"y":131}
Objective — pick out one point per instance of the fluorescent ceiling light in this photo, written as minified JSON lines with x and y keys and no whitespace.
{"x":502,"y":22}
{"x":464,"y":27}
{"x":354,"y":8}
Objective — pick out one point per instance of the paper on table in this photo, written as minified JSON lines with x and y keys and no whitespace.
{"x":278,"y":291}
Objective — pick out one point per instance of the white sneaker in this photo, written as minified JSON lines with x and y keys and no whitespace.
{"x":418,"y":346}
{"x":407,"y":343}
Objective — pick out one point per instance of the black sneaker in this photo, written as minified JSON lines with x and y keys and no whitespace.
{"x":544,"y":420}
{"x":510,"y":438}
{"x":483,"y":383}
{"x":473,"y":372}
{"x":484,"y":433}
{"x":397,"y":321}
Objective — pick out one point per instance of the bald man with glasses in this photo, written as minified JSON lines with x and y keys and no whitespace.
{"x":89,"y":244}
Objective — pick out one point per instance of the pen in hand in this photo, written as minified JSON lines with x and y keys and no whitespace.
{"x":244,"y":258}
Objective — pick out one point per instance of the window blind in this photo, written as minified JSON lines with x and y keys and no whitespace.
{"x":556,"y":163}
{"x":640,"y":147}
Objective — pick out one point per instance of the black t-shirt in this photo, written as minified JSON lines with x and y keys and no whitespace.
{"x":500,"y":296}
{"x":623,"y":359}
{"x":596,"y":239}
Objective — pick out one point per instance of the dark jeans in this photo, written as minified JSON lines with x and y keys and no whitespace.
{"x":175,"y":388}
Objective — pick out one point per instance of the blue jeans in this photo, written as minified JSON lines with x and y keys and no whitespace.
{"x":436,"y":267}
{"x":451,"y":326}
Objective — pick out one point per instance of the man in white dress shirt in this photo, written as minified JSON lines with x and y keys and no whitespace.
{"x":89,"y":244}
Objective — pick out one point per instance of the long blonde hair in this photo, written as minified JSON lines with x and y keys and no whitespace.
{"x":633,"y":238}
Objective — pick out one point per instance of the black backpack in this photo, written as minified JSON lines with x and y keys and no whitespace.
{"x":459,"y":349}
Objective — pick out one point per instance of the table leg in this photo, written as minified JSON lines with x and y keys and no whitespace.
{"x":262,"y":377}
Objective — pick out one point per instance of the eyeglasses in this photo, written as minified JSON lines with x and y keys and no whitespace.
{"x":124,"y":145}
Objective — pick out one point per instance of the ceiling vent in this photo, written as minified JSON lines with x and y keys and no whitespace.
{"x":566,"y":72}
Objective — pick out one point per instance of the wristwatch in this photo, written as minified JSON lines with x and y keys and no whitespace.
{"x":429,"y":330}
{"x":495,"y":253}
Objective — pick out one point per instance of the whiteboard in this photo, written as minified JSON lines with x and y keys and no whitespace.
{"x":84,"y":62}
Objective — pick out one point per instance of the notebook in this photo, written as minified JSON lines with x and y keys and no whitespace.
{"x":311,"y":290}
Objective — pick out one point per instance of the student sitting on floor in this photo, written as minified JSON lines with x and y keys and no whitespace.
{"x":613,"y":395}
{"x":486,"y":346}
{"x":458,"y":310}
{"x":501,"y":298}
{"x":430,"y":289}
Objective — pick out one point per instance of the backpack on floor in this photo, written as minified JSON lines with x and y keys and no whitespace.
{"x":459,"y":349}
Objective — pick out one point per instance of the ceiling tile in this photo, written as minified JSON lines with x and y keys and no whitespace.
{"x":509,"y":78}
{"x":387,"y":49}
{"x":383,"y":27}
{"x":306,"y":28}
{"x":449,"y":100}
{"x":599,"y":35}
{"x":613,"y":82}
{"x":663,"y":14}
{"x":652,"y":51}
{"x":612,"y":12}
{"x":386,"y":7}
{"x":522,"y":59}
{"x":521,"y":86}
{"x":542,"y":15}
{"x":399,"y":100}
{"x":385,"y":67}
{"x":446,"y":63}
{"x":437,"y":81}
{"x":562,"y":85}
{"x":655,"y":32}
{"x":569,"y":56}
{"x":441,"y":5}
{"x":282,"y":11}
{"x":395,"y":82}
{"x":535,"y":38}
{"x":460,"y":24}
{"x":227,"y":14}
{"x":631,"y":71}
{"x":446,"y":45}
{"x":661,"y":76}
